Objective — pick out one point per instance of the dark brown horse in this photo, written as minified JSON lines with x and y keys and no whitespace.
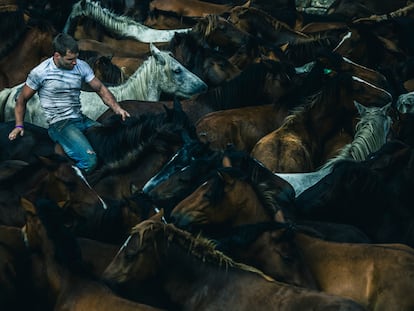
{"x":52,"y":177}
{"x":33,"y":46}
{"x":373,"y":195}
{"x":192,"y":274}
{"x":65,"y":283}
{"x":209,"y":65}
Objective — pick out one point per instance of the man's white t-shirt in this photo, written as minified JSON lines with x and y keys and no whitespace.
{"x":59,"y":89}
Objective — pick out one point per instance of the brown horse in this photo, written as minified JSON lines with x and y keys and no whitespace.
{"x":194,"y":275}
{"x":281,"y":252}
{"x":65,"y":278}
{"x":33,"y":46}
{"x":297,"y":146}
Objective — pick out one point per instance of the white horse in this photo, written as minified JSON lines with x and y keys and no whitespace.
{"x":160,"y":73}
{"x":121,"y":25}
{"x":371,"y":133}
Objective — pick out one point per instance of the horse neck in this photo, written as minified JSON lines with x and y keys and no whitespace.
{"x":181,"y":268}
{"x":56,"y":276}
{"x":141,"y":85}
{"x":118,"y":24}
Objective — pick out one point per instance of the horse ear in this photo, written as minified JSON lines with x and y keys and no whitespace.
{"x":226,"y":162}
{"x":361,"y":108}
{"x":157,"y":54}
{"x":27,"y":205}
{"x":246,"y":5}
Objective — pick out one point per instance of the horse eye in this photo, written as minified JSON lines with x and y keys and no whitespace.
{"x":177,"y":70}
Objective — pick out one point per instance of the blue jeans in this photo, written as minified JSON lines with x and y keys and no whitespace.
{"x":69,"y":134}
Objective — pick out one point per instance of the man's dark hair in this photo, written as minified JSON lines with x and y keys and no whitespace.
{"x":63,"y":43}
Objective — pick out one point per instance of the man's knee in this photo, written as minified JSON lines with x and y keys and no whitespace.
{"x":88,"y":162}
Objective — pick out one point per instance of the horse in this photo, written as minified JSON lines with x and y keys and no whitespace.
{"x":194,"y":275}
{"x":122,"y":26}
{"x":342,"y":269}
{"x":363,"y":8}
{"x":33,"y":46}
{"x":297,"y":145}
{"x":65,"y":277}
{"x":231,"y":180}
{"x":12,"y":24}
{"x":373,"y":195}
{"x":243,"y":127}
{"x":189,"y":8}
{"x":371,"y":133}
{"x":378,"y":45}
{"x":53,"y":177}
{"x":159,"y":73}
{"x":14,"y":269}
{"x":129,"y":151}
{"x":148,"y":142}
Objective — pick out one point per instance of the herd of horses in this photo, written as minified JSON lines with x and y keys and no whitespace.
{"x":267,"y":163}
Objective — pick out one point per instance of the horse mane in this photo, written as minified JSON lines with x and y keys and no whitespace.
{"x":369,"y":136}
{"x":120,"y":26}
{"x":140,"y":136}
{"x":206,"y":25}
{"x":125,"y":143}
{"x":198,"y":246}
{"x":135,"y":86}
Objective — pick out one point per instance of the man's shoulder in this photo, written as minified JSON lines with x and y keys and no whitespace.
{"x":43,"y":67}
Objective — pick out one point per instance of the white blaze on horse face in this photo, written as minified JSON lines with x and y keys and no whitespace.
{"x":80,"y":174}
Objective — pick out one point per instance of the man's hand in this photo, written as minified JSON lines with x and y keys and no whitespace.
{"x":16,"y":132}
{"x":123,"y":113}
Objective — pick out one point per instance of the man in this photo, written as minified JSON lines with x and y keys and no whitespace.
{"x":58,"y":80}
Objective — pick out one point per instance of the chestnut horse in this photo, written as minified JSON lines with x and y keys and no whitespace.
{"x":192,"y":274}
{"x":65,"y":282}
